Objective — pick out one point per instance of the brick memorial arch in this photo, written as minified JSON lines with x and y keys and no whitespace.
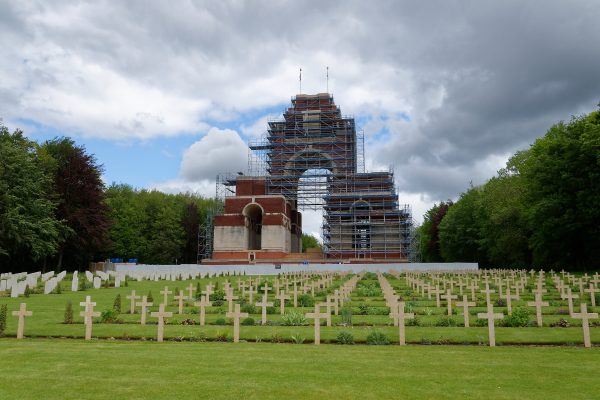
{"x":312,"y":158}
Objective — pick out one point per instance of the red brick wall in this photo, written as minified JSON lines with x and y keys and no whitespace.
{"x":250,"y":187}
{"x":229,"y":220}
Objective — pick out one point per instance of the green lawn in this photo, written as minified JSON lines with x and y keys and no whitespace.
{"x":74,"y":369}
{"x":54,"y":363}
{"x":48,"y":316}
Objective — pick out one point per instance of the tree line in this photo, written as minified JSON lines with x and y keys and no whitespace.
{"x":56,"y":213}
{"x":541,"y":210}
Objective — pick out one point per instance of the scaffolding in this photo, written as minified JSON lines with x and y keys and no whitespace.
{"x":224,"y":182}
{"x":314,"y":156}
{"x":300,"y":152}
{"x":206,"y":232}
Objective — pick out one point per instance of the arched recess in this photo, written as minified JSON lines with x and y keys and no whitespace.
{"x":253,"y":214}
{"x":361,"y":227}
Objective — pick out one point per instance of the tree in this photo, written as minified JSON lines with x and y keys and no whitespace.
{"x":167,"y":237}
{"x":561,"y":172}
{"x":460,"y":231}
{"x":145,"y":219}
{"x":190,"y":222}
{"x":29,"y":231}
{"x":504,"y":230}
{"x":429,"y":232}
{"x":127,"y":232}
{"x":309,"y":242}
{"x":81,"y":201}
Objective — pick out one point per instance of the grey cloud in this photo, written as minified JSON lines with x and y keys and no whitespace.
{"x":479,"y":79}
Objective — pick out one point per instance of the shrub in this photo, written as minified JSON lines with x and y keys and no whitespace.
{"x":83,"y":285}
{"x":220,"y":321}
{"x":68,"y":313}
{"x":345,"y":337}
{"x":370,"y":276}
{"x":216,"y":296}
{"x":277,"y":338}
{"x":218,"y":303}
{"x":3,"y":313}
{"x":198,"y":294}
{"x":364,"y":309}
{"x":561,"y":323}
{"x":271,"y":310}
{"x":248,"y":308}
{"x":109,"y":316}
{"x":149,"y":297}
{"x":367,"y":289}
{"x":500,"y":303}
{"x":293,"y":318}
{"x":248,"y":321}
{"x":117,"y":304}
{"x":347,"y":316}
{"x":413,"y":321}
{"x":222,"y":336}
{"x":297,"y":338}
{"x":305,"y":300}
{"x":57,"y":290}
{"x":377,"y":339}
{"x":445,"y":321}
{"x":519,"y":317}
{"x":28,"y":291}
{"x":480,"y":322}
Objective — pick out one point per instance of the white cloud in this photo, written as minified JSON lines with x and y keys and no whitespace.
{"x":311,"y":223}
{"x":220,"y":150}
{"x":419,"y":204}
{"x":258,"y":127}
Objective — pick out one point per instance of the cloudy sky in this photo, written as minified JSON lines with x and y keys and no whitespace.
{"x":167,"y":94}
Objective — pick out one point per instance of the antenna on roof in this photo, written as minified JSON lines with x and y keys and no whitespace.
{"x":300,"y":81}
{"x":328,"y":79}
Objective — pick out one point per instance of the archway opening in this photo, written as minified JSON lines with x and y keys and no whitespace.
{"x":254,"y":215}
{"x":313,"y":185}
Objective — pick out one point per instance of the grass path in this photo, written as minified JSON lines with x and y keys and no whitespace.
{"x":73,"y":369}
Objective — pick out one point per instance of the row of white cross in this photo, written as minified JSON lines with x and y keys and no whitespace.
{"x":397,"y":313}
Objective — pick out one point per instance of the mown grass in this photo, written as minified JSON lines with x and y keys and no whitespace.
{"x":74,"y":369}
{"x":48,"y":317}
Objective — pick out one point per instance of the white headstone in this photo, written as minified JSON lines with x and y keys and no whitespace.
{"x":102,"y":275}
{"x":97,"y":282}
{"x":50,"y":285}
{"x":89,"y":276}
{"x":47,"y":276}
{"x":75,"y":282}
